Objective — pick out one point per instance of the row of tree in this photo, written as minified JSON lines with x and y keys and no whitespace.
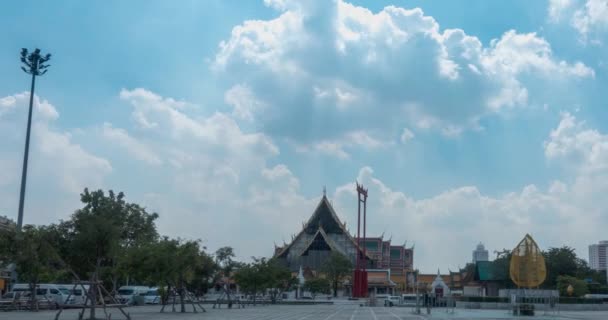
{"x":111,"y":241}
{"x":564,"y":268}
{"x":271,"y":277}
{"x":115,"y":242}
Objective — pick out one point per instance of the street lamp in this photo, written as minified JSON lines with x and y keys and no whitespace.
{"x":34,"y":65}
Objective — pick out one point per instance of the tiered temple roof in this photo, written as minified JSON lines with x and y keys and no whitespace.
{"x":322,"y":234}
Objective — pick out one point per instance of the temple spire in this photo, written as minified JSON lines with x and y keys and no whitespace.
{"x":324,"y":191}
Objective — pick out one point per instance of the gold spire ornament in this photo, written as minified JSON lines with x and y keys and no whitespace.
{"x":527,"y":268}
{"x":570,"y":290}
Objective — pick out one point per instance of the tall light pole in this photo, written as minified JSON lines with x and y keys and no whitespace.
{"x":34,"y":65}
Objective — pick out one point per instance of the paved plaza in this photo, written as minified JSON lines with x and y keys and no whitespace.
{"x":290,"y":312}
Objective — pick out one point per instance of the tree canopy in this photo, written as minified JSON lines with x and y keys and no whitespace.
{"x":263,"y":275}
{"x":336,"y":268}
{"x":317,"y":285}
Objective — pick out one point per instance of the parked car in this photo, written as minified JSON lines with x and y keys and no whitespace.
{"x":52,"y":292}
{"x":392,"y":301}
{"x":78,"y":294}
{"x":408,"y":299}
{"x":152,"y":296}
{"x":127,"y":294}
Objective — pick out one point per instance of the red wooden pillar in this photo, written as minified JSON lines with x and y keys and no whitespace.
{"x":360,"y":275}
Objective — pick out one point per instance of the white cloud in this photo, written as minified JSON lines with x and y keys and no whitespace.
{"x":217,"y":130}
{"x":592,"y":17}
{"x":57,"y":167}
{"x":131,"y":145}
{"x":43,"y":110}
{"x":337,"y":147}
{"x":465,"y":216}
{"x":585,"y":149}
{"x":322,"y":60}
{"x":557,"y":8}
{"x":220,"y":180}
{"x":406,"y":135}
{"x":66,"y":161}
{"x":243,"y":102}
{"x":589,"y":17}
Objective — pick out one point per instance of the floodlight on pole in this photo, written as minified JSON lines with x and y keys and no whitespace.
{"x":34,"y":64}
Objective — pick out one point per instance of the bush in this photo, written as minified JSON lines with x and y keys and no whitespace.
{"x":579,"y":286}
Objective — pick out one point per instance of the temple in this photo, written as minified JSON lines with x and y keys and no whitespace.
{"x":387,"y":265}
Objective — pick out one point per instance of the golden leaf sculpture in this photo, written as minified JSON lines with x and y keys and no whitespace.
{"x":527,"y":268}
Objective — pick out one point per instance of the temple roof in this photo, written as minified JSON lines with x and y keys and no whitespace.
{"x":324,"y":217}
{"x":321,"y":241}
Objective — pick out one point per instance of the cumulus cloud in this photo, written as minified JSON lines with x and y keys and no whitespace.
{"x":243,"y":101}
{"x":446,"y":227}
{"x":129,"y":144}
{"x":320,"y":61}
{"x":219,"y":183}
{"x":338,"y":147}
{"x":589,"y":17}
{"x":58,"y":166}
{"x":219,"y":179}
{"x":557,"y":9}
{"x":463,"y":216}
{"x":584,"y":148}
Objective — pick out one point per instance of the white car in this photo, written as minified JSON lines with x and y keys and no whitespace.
{"x":127,"y":294}
{"x":391,"y":301}
{"x":79,"y":296}
{"x":152,"y":296}
{"x":52,"y":292}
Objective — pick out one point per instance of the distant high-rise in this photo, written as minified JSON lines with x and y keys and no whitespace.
{"x":597,"y":255}
{"x":480,"y":253}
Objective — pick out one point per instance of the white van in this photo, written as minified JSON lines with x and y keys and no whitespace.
{"x":52,"y":292}
{"x":78,"y":294}
{"x":392,"y":301}
{"x":152,"y":296}
{"x":127,"y":294}
{"x":408,"y":299}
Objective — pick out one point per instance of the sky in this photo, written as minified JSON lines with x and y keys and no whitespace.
{"x":468,"y":121}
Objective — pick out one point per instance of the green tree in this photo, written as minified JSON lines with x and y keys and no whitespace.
{"x":317,"y":285}
{"x":32,"y":253}
{"x":99,"y":237}
{"x":264,"y":275}
{"x":224,"y":258}
{"x":579,"y":286}
{"x":251,"y":278}
{"x":336,"y":268}
{"x":203,"y":274}
{"x":560,"y":262}
{"x":502,"y":264}
{"x":175,"y":264}
{"x":279,"y":279}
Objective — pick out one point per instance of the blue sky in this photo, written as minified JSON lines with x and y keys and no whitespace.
{"x":464,"y":118}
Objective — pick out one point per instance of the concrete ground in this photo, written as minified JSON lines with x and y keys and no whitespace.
{"x":292,"y":312}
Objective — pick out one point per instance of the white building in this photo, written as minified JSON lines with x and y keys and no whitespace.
{"x":480,"y":253}
{"x":438,"y":287}
{"x":597,"y":255}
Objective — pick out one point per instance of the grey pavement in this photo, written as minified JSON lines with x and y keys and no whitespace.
{"x":291,"y":312}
